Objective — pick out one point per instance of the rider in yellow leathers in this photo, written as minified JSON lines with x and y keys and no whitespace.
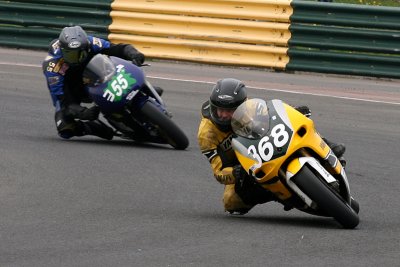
{"x":215,"y":135}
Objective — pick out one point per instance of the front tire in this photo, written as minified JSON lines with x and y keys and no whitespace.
{"x":168,"y":129}
{"x":327,"y":200}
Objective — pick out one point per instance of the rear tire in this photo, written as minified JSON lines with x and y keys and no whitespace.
{"x":354,"y":205}
{"x":327,"y":200}
{"x":168,"y":129}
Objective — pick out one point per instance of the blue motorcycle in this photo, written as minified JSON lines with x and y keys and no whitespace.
{"x":130,"y":103}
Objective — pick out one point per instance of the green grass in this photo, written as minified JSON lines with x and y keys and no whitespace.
{"x":395,"y":3}
{"x":371,"y":2}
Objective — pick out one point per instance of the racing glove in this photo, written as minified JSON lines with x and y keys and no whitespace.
{"x":138,"y":58}
{"x":306,"y":111}
{"x":130,"y":53}
{"x":248,"y":189}
{"x":240,"y":174}
{"x":83,"y":113}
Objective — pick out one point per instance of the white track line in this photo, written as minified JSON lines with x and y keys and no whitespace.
{"x":257,"y":88}
{"x":284,"y":91}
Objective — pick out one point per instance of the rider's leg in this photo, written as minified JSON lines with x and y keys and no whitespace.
{"x":68,"y":127}
{"x":232,"y":202}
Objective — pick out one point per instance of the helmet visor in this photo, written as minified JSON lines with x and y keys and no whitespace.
{"x":74,"y":56}
{"x":221,"y":116}
{"x":251,"y":119}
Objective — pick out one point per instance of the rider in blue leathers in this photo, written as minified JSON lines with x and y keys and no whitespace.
{"x":63,"y":67}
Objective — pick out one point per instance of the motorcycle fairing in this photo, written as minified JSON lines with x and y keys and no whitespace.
{"x":249,"y":150}
{"x":113,"y":95}
{"x":300,"y":133}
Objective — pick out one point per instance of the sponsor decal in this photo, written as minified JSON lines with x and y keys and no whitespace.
{"x":56,"y":45}
{"x":74,"y":44}
{"x":58,"y":65}
{"x":63,"y":69}
{"x":322,"y":144}
{"x":97,"y":41}
{"x":132,"y":95}
{"x":227,"y":143}
{"x":225,"y":97}
{"x":53,"y":80}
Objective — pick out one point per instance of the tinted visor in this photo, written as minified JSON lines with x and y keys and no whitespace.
{"x":74,"y":56}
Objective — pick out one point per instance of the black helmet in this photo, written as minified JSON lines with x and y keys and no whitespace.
{"x":226,"y":96}
{"x":74,"y":44}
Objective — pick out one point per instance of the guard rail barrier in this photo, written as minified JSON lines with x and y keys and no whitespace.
{"x":281,"y":34}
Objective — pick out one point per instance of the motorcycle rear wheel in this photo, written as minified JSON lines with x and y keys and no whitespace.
{"x":168,"y":129}
{"x":327,"y":200}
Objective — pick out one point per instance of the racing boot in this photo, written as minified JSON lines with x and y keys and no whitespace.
{"x":338,"y":149}
{"x":99,"y":129}
{"x":239,"y":211}
{"x":343,"y":161}
{"x":233,"y":203}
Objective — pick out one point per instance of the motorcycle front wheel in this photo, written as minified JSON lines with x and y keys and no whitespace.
{"x":326,"y":199}
{"x":167,"y":128}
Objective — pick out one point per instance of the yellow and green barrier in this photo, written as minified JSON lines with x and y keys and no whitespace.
{"x":345,"y":39}
{"x":233,"y":32}
{"x":33,"y":24}
{"x":279,"y":34}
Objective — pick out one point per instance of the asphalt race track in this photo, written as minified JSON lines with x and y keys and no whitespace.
{"x":90,"y":202}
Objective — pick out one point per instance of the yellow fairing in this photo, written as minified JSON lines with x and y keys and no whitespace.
{"x":294,"y":166}
{"x":304,"y":136}
{"x":275,"y":187}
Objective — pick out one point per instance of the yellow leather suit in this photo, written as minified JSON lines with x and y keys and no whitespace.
{"x":216,"y":145}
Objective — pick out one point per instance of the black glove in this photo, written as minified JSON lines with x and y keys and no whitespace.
{"x":304,"y":110}
{"x":82,"y":113}
{"x":138,"y":58}
{"x":248,"y":189}
{"x":240,"y":174}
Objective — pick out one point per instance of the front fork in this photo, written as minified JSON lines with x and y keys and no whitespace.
{"x":297,"y":164}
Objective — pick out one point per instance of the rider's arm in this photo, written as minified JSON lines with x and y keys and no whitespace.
{"x":209,"y":147}
{"x":55,"y":81}
{"x":303,"y":110}
{"x":125,"y":51}
{"x":223,"y":175}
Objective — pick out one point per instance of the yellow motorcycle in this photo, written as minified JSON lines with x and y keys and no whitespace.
{"x":281,"y":149}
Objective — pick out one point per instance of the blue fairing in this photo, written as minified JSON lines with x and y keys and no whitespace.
{"x":114,"y":94}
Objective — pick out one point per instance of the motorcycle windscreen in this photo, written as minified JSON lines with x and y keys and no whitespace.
{"x":251,"y":119}
{"x":99,"y":70}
